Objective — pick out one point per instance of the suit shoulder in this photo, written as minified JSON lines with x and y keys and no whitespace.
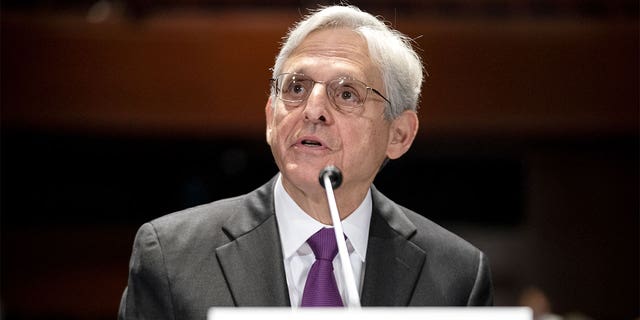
{"x":207,"y":220}
{"x":417,"y":228}
{"x":213,"y":212}
{"x":435,"y":237}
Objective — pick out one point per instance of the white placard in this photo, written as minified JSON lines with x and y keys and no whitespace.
{"x":372,"y":313}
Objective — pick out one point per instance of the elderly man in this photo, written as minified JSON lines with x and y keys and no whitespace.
{"x":344,"y":92}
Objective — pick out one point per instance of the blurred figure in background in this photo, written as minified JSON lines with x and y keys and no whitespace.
{"x":537,"y":300}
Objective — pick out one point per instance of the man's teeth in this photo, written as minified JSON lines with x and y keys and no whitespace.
{"x":310,"y":143}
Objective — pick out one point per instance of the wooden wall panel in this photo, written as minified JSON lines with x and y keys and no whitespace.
{"x":206,"y":74}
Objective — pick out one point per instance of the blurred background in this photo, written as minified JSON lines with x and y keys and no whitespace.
{"x":117,"y":112}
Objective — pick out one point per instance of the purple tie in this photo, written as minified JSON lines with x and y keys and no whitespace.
{"x":321,"y":289}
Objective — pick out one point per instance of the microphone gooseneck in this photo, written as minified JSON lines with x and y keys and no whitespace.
{"x":334,"y":175}
{"x":330,"y":178}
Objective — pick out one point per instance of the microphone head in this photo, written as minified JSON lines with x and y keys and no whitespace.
{"x":334,"y":175}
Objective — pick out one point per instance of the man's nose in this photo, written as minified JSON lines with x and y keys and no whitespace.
{"x":317,"y":108}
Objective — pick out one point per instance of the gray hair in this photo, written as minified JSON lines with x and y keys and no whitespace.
{"x":390,"y":50}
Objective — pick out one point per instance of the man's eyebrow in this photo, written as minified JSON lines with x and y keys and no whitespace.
{"x":345,"y":75}
{"x":339,"y":75}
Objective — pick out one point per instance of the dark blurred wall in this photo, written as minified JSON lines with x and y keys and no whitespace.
{"x":114,"y":113}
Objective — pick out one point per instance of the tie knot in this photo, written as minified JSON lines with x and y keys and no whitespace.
{"x":323,"y":243}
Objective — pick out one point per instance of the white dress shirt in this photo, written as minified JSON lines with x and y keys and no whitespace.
{"x":296,"y":227}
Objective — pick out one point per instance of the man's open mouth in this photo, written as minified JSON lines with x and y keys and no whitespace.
{"x":311,"y":143}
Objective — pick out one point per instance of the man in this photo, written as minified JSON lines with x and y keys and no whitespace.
{"x":345,"y":90}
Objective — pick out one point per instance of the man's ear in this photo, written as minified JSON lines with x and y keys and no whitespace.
{"x":403,"y":131}
{"x":268,"y":112}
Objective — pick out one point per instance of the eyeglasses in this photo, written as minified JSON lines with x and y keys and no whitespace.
{"x":345,"y":93}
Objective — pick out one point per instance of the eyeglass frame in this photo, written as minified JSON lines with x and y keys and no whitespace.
{"x":274,"y":83}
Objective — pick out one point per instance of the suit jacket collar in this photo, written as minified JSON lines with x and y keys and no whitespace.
{"x":254,"y":252}
{"x":393,"y":262}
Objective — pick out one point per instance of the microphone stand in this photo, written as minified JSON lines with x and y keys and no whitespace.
{"x":331,"y":177}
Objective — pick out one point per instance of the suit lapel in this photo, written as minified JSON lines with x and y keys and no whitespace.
{"x":393,"y":262}
{"x":252,"y":261}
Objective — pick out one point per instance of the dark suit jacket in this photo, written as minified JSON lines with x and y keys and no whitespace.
{"x":228,"y":253}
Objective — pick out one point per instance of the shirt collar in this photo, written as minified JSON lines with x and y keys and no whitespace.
{"x":296,"y":226}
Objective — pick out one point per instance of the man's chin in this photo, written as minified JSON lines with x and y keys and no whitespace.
{"x":305,"y":179}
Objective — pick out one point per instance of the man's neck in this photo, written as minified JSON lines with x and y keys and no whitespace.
{"x":315,"y":203}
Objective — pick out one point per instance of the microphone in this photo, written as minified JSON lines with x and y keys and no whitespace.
{"x":334,"y":175}
{"x":330,"y":178}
